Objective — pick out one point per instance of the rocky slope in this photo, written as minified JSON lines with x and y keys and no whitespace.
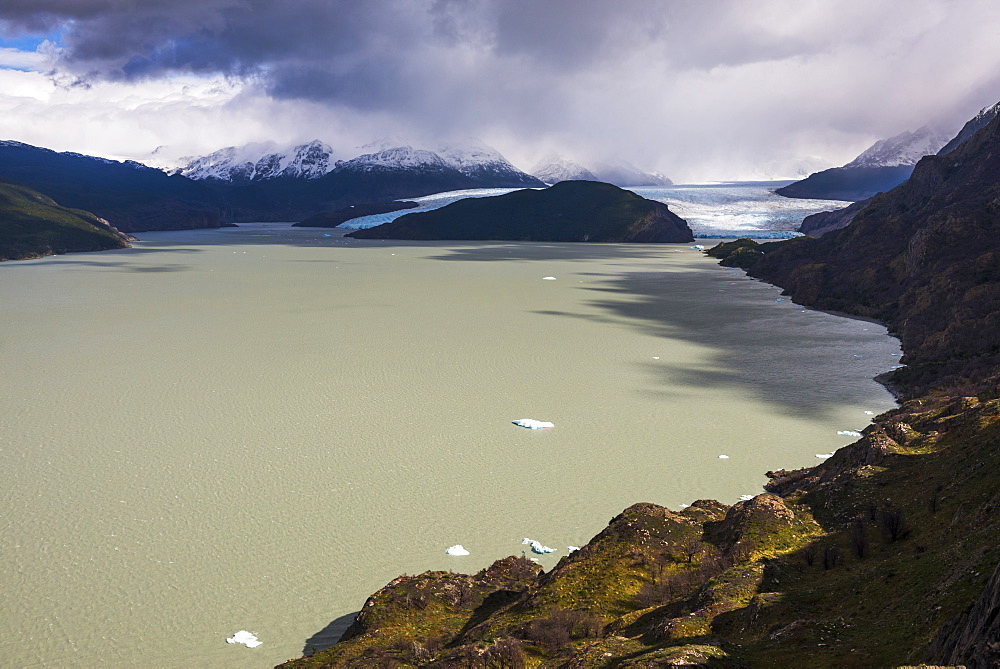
{"x":570,"y":211}
{"x":33,"y":225}
{"x":884,"y":555}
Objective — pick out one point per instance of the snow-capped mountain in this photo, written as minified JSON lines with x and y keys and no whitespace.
{"x":880,"y":168}
{"x":255,"y":163}
{"x":259,"y":162}
{"x":394,"y":158}
{"x":554,"y":168}
{"x":623,"y":174}
{"x":906,"y":148}
{"x":481,"y":163}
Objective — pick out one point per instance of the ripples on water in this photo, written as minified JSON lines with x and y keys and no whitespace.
{"x":255,"y":428}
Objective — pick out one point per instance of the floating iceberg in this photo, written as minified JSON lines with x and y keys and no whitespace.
{"x":570,"y":549}
{"x":746,"y":498}
{"x":532,"y":424}
{"x":548,"y":278}
{"x":537,"y":547}
{"x":869,"y":413}
{"x":723,"y":457}
{"x":457,"y":549}
{"x":824,"y":456}
{"x":849,"y":433}
{"x":698,"y":247}
{"x":248,"y":639}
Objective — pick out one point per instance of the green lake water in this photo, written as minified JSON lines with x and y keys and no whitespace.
{"x":255,"y":428}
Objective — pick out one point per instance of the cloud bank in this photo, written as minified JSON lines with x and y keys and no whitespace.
{"x":705,"y":89}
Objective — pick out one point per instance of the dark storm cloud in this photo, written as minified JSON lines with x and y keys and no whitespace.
{"x":663,"y":82}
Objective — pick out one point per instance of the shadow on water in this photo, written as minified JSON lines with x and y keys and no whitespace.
{"x":806,"y":362}
{"x":329,"y":635}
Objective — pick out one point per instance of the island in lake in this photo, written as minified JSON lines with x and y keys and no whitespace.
{"x":569,"y":211}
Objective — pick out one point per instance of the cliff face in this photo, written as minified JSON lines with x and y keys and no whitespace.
{"x":923,"y":258}
{"x":570,"y":211}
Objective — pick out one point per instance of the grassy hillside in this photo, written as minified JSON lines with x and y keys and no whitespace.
{"x":569,"y":211}
{"x":33,"y":225}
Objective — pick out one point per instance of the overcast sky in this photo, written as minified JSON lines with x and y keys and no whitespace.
{"x":696,"y":89}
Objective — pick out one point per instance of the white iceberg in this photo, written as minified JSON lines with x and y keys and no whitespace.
{"x":548,"y":278}
{"x":537,"y":547}
{"x":746,"y":498}
{"x":570,"y":549}
{"x":532,"y":424}
{"x":248,"y":639}
{"x":723,"y":457}
{"x":457,"y":549}
{"x":698,"y":247}
{"x":849,"y":433}
{"x":824,"y":456}
{"x":869,"y":413}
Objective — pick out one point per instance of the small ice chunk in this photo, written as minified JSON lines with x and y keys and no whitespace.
{"x":824,"y":456}
{"x":537,"y":547}
{"x":532,"y":424}
{"x":548,"y":278}
{"x":746,"y":498}
{"x":570,"y":549}
{"x":678,"y":251}
{"x":849,"y":433}
{"x":723,"y":457}
{"x":780,"y":299}
{"x":698,"y":247}
{"x":869,"y":413}
{"x":326,"y":235}
{"x":457,"y":549}
{"x":656,"y":357}
{"x":248,"y":639}
{"x":683,"y":506}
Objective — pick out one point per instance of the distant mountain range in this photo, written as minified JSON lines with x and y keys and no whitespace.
{"x":878,"y":169}
{"x":256,"y":162}
{"x":260,"y":183}
{"x":129,"y":195}
{"x":883,"y":166}
{"x":555,"y":168}
{"x":252,"y":183}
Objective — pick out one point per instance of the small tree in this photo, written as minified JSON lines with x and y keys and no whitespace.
{"x":859,"y":538}
{"x":894,"y":525}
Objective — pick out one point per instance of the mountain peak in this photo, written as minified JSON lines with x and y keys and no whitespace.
{"x":261,"y":161}
{"x":906,"y":148}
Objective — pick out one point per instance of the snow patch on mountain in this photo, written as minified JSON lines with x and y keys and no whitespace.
{"x":397,"y":158}
{"x":906,"y":148}
{"x":257,"y":162}
{"x":554,"y":168}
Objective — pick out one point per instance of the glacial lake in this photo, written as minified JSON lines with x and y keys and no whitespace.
{"x":255,"y":428}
